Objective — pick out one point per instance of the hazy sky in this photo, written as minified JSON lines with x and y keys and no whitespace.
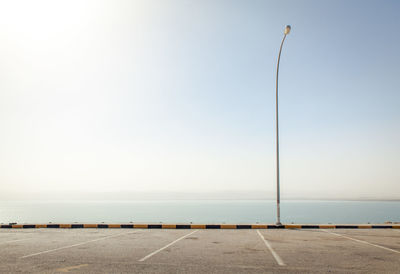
{"x":179,"y":95}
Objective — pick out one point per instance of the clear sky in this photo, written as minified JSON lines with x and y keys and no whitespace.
{"x":176,"y":95}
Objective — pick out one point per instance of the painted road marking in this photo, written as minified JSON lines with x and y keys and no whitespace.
{"x":67,"y":269}
{"x":13,"y":241}
{"x":168,"y":245}
{"x":361,"y":241}
{"x":74,"y":245}
{"x":276,"y":256}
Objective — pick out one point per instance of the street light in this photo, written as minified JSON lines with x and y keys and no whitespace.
{"x":278,"y":198}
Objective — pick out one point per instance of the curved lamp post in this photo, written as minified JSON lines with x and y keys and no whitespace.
{"x":278,"y":198}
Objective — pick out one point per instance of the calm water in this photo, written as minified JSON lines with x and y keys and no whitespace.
{"x":198,"y":211}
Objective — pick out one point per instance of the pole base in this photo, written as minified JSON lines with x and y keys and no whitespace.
{"x":278,"y":224}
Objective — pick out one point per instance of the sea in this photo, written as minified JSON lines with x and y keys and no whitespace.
{"x":199,"y":211}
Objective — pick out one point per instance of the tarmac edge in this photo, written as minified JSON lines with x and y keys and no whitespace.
{"x":206,"y":226}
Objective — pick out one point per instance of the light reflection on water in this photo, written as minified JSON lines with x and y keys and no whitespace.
{"x":198,"y":211}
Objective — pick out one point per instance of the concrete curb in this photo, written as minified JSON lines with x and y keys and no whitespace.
{"x":209,"y":226}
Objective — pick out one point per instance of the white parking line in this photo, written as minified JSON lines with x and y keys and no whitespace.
{"x":361,"y":241}
{"x":276,"y":256}
{"x":158,"y":250}
{"x":13,"y":241}
{"x":74,"y":245}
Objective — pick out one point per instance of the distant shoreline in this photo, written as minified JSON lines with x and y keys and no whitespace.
{"x":199,"y":199}
{"x":164,"y":195}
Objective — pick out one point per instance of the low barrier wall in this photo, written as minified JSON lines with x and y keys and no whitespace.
{"x":208,"y":226}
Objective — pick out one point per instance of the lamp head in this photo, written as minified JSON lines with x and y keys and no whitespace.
{"x":287,"y":29}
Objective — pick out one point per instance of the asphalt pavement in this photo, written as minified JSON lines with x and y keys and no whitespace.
{"x":199,"y":251}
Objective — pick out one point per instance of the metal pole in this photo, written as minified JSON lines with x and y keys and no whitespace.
{"x":278,"y":198}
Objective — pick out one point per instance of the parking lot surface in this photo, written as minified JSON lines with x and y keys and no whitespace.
{"x":199,"y":251}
